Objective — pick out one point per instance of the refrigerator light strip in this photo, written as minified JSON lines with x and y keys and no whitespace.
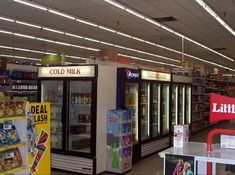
{"x":216,"y":16}
{"x":97,"y":41}
{"x":127,"y":35}
{"x":146,"y":18}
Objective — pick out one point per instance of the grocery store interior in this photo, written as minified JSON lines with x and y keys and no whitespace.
{"x":117,"y":86}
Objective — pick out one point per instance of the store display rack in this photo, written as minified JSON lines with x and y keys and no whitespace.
{"x":14,"y":154}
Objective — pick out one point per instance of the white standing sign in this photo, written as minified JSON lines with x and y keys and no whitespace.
{"x":66,"y":71}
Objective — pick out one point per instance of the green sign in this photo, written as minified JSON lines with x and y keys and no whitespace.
{"x":51,"y":59}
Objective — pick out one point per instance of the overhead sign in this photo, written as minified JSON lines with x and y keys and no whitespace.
{"x":181,"y":79}
{"x":51,"y":59}
{"x":132,"y":74}
{"x":221,"y":108}
{"x":151,"y":75}
{"x":39,"y":138}
{"x":66,"y":71}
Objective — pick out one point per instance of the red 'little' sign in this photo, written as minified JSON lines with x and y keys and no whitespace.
{"x":221,"y":108}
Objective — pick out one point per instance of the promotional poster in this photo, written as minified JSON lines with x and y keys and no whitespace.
{"x":39,"y":138}
{"x":179,"y":165}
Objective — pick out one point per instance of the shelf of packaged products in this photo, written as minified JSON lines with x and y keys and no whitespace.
{"x":198,"y":85}
{"x":4,"y":148}
{"x":80,"y":123}
{"x":80,"y":104}
{"x":198,"y":102}
{"x":143,"y":103}
{"x":2,"y":119}
{"x":13,"y":171}
{"x":198,"y":111}
{"x":56,"y":104}
{"x":198,"y":93}
{"x":131,"y":93}
{"x":55,"y":118}
{"x":80,"y":135}
{"x":144,"y":122}
{"x":130,"y":105}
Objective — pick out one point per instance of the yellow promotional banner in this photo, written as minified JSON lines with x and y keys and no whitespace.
{"x":39,"y":138}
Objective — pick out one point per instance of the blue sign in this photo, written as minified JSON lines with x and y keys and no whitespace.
{"x":132,"y":74}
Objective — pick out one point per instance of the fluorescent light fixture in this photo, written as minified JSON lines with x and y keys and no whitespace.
{"x":213,"y":14}
{"x":23,"y":35}
{"x":86,"y":22}
{"x":118,"y":46}
{"x":6,"y":19}
{"x":179,"y":34}
{"x":135,"y":13}
{"x":28,"y":24}
{"x":139,"y":51}
{"x":61,"y":14}
{"x":38,"y":64}
{"x":31,"y":4}
{"x":93,"y":49}
{"x":106,"y":43}
{"x":6,"y":47}
{"x":21,"y":49}
{"x":77,"y":46}
{"x":163,"y":57}
{"x":46,"y":40}
{"x":75,"y":57}
{"x":62,"y":43}
{"x":90,"y":39}
{"x":138,"y":39}
{"x":73,"y":35}
{"x":6,"y":32}
{"x":52,"y":30}
{"x":108,"y":29}
{"x":153,"y":21}
{"x":147,"y":60}
{"x":115,"y":4}
{"x":124,"y":34}
{"x":20,"y":57}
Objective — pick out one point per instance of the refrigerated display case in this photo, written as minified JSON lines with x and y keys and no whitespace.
{"x":181,"y":100}
{"x":151,"y":111}
{"x":79,"y":101}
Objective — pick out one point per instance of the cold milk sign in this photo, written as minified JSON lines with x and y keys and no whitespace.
{"x":66,"y":71}
{"x":221,"y":108}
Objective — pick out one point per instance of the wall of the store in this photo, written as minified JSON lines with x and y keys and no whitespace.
{"x":106,"y":100}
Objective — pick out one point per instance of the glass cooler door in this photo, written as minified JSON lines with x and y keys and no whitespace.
{"x":80,"y":116}
{"x":181,"y":104}
{"x":165,"y":108}
{"x":188,"y":104}
{"x":155,"y":110}
{"x":131,"y":104}
{"x":144,"y":111}
{"x":52,"y":91}
{"x":174,"y":109}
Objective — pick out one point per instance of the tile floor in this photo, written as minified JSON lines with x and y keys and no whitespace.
{"x":153,"y":165}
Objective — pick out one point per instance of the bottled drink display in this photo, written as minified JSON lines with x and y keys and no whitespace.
{"x":155,"y":110}
{"x":165,"y":108}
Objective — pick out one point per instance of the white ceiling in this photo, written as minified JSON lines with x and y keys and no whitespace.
{"x":192,"y":21}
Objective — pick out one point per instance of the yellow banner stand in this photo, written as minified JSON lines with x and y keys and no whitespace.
{"x":40,"y":151}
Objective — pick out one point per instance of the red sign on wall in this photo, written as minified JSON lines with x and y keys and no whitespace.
{"x":221,"y":108}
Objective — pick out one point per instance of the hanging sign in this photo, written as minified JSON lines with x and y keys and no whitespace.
{"x":39,"y":138}
{"x":66,"y":71}
{"x":221,"y":108}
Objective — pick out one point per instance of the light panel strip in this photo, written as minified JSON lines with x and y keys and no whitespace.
{"x":146,"y":18}
{"x":216,"y":16}
{"x":20,"y":57}
{"x":47,"y":40}
{"x":40,"y":52}
{"x":147,"y":60}
{"x":129,"y":36}
{"x":94,"y":40}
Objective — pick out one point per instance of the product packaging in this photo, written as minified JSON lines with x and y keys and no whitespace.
{"x":181,"y":135}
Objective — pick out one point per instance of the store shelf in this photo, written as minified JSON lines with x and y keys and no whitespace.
{"x":57,"y":104}
{"x":4,"y":148}
{"x":55,"y":118}
{"x":130,"y":105}
{"x":144,"y":122}
{"x":143,"y":103}
{"x":80,"y":104}
{"x":13,"y":118}
{"x":13,"y":171}
{"x":80,"y":123}
{"x":80,"y":135}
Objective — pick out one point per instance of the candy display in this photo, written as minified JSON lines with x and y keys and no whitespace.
{"x":31,"y":133}
{"x":8,"y":134}
{"x":10,"y":159}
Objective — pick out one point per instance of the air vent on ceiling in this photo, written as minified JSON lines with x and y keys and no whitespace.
{"x":220,"y":49}
{"x":165,"y":19}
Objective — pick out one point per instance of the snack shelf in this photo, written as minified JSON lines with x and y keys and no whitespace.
{"x":4,"y":148}
{"x":13,"y":171}
{"x":2,"y":119}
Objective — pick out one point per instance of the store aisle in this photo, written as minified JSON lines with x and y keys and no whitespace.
{"x":153,"y":165}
